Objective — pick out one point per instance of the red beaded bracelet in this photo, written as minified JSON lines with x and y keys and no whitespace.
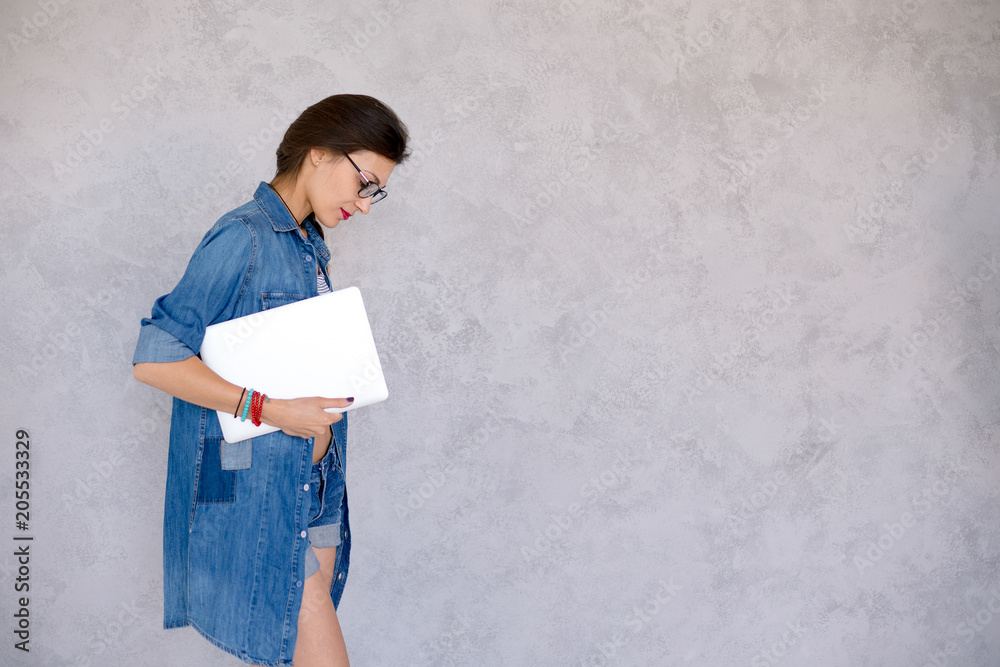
{"x":257,"y":407}
{"x":260,"y":408}
{"x":253,"y":408}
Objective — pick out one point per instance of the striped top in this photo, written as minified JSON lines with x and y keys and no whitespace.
{"x":321,"y":285}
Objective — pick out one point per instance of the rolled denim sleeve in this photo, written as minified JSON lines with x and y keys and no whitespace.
{"x":155,"y":344}
{"x":215,"y":279}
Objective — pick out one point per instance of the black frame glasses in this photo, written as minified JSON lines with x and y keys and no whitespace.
{"x":378,"y":194}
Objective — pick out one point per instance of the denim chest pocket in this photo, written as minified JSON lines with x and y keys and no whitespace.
{"x":270,"y":300}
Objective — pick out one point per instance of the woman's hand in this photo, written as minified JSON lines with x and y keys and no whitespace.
{"x":303,"y":417}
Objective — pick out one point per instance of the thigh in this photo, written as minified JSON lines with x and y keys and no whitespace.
{"x":327,"y":557}
{"x":316,"y":592}
{"x":320,"y":641}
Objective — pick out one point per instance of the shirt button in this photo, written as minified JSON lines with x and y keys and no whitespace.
{"x":298,"y":584}
{"x":340,"y":576}
{"x":303,"y":534}
{"x":305,"y":487}
{"x":307,"y":258}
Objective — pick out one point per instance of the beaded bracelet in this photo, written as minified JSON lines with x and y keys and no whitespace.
{"x":236,"y":413}
{"x":253,"y":407}
{"x":246,"y":406}
{"x":255,"y":411}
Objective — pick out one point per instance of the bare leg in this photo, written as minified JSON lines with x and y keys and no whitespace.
{"x":320,"y":641}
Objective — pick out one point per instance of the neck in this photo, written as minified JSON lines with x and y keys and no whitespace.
{"x":293,"y":200}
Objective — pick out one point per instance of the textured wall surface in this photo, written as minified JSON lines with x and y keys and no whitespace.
{"x":688,"y":313}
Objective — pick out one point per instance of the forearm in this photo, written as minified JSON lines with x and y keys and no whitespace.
{"x":192,"y":381}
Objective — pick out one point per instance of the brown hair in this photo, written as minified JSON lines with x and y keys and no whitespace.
{"x":341,"y":124}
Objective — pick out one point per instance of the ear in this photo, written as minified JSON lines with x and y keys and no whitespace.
{"x":318,"y":155}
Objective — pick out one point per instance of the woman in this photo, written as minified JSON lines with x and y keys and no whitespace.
{"x":256,"y":542}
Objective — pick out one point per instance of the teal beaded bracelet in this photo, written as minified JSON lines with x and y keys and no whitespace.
{"x":246,"y":408}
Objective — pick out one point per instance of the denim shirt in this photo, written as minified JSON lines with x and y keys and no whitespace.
{"x":235,"y":514}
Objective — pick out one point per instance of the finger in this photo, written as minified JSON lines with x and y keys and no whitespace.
{"x":333,"y":418}
{"x":337,"y":402}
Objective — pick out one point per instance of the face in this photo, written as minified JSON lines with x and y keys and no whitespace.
{"x":333,"y":184}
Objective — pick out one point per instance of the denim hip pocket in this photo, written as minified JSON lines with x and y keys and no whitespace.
{"x":315,"y":490}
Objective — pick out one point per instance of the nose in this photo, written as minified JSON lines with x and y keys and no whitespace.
{"x":363,"y":205}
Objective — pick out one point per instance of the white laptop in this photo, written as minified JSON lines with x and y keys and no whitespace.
{"x":321,"y":346}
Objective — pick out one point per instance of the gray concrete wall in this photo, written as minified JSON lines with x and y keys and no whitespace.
{"x":688,"y":313}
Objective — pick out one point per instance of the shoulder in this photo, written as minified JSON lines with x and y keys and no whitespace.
{"x":234,"y":232}
{"x":239,"y":233}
